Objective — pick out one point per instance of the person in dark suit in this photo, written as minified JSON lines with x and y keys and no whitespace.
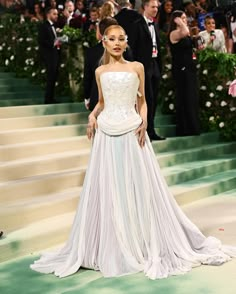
{"x":126,"y":16}
{"x":145,"y":45}
{"x":91,"y":62}
{"x":49,"y":47}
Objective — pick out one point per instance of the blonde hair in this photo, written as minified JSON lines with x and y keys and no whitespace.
{"x":106,"y":56}
{"x":107,"y":10}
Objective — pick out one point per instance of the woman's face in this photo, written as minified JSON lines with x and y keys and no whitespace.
{"x":115,"y":42}
{"x":210,"y":25}
{"x":168,"y":7}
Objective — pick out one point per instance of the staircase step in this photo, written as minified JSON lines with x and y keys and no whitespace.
{"x":198,"y":169}
{"x":184,"y":143}
{"x":19,"y":102}
{"x":43,"y":165}
{"x":41,"y":184}
{"x":39,"y":134}
{"x":38,"y":110}
{"x":40,"y":148}
{"x":15,"y":88}
{"x":21,"y":94}
{"x":18,"y":214}
{"x":36,"y":236}
{"x":171,"y":158}
{"x":190,"y":191}
{"x":43,"y":121}
{"x":166,"y":130}
{"x":5,"y":80}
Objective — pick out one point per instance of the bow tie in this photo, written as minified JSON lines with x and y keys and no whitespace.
{"x":151,"y":23}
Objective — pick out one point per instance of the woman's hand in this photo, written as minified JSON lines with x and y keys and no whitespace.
{"x":178,"y":21}
{"x":92,"y":125}
{"x":140,"y":132}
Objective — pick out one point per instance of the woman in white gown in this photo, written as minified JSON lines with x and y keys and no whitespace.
{"x":127,"y":221}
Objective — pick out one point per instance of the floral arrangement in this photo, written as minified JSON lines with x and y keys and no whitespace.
{"x":19,"y":53}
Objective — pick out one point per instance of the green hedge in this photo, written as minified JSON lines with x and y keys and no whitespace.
{"x":19,"y":53}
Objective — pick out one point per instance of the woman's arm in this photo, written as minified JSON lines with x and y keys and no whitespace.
{"x":141,"y":105}
{"x":181,"y":32}
{"x":92,"y":119}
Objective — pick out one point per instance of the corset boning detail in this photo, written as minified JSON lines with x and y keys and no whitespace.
{"x":119,"y":115}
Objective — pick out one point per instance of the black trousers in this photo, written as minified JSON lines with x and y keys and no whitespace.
{"x":152,"y":81}
{"x":187,"y":102}
{"x":52,"y":61}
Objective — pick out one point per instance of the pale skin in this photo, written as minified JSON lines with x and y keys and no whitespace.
{"x":115,"y":44}
{"x":181,"y":30}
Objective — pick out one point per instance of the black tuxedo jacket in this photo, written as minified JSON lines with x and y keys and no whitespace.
{"x":126,"y":18}
{"x":91,"y":62}
{"x":141,"y":43}
{"x":46,"y":40}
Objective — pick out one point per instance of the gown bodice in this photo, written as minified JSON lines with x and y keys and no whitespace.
{"x":119,"y":115}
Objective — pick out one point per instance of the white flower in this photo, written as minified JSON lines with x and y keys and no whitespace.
{"x":166,"y":98}
{"x":198,"y":65}
{"x":169,"y":66}
{"x":170,"y":93}
{"x":3,"y":44}
{"x":1,"y":48}
{"x":171,"y":106}
{"x":32,"y":62}
{"x":219,"y":88}
{"x":28,"y":49}
{"x":165,"y":76}
{"x":221,"y":124}
{"x":25,"y":68}
{"x":211,"y":95}
{"x":12,"y":57}
{"x":13,"y":38}
{"x":211,"y":118}
{"x":27,"y":61}
{"x":36,"y":48}
{"x":208,"y":104}
{"x":228,"y":83}
{"x":86,"y":44}
{"x":43,"y":71}
{"x":56,"y":84}
{"x":9,"y":48}
{"x":81,"y":75}
{"x":33,"y":74}
{"x":205,"y":72}
{"x":1,"y":26}
{"x":21,"y":40}
{"x":28,"y":39}
{"x":203,"y":88}
{"x":232,"y":108}
{"x":62,"y":65}
{"x":6,"y":62}
{"x":223,"y":103}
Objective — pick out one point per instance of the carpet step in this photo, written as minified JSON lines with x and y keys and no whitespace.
{"x":193,"y":154}
{"x":40,"y":148}
{"x":18,"y":214}
{"x":198,"y":169}
{"x":41,"y":184}
{"x":14,"y":81}
{"x":194,"y":190}
{"x":21,"y":94}
{"x":43,"y":165}
{"x":21,"y":87}
{"x":38,"y":110}
{"x":19,"y":102}
{"x":43,"y":121}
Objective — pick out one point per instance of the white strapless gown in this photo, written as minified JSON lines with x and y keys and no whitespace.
{"x":127,"y":221}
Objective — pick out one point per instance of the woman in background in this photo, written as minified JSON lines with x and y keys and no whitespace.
{"x":184,"y":73}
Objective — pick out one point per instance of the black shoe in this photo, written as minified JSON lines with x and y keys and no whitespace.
{"x":156,"y":137}
{"x":1,"y":233}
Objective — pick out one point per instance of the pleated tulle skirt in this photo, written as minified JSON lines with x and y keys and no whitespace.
{"x":127,"y":221}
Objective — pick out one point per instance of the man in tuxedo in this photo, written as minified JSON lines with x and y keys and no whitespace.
{"x":91,"y":62}
{"x":145,"y":45}
{"x":126,"y":16}
{"x":49,"y":48}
